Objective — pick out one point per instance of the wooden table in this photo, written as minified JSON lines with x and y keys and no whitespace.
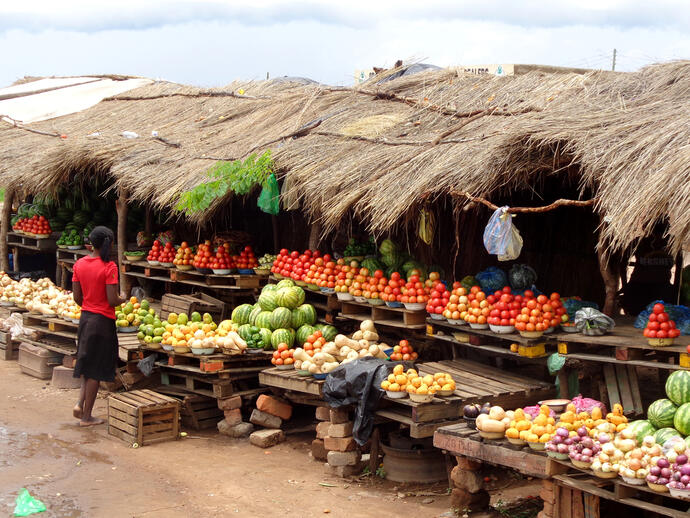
{"x":21,"y":242}
{"x":459,"y":440}
{"x":475,"y":383}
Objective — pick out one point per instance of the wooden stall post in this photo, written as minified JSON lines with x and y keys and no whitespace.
{"x":148,"y":221}
{"x":121,"y":207}
{"x":276,"y":241}
{"x":314,"y":235}
{"x":610,"y":282}
{"x":5,"y":228}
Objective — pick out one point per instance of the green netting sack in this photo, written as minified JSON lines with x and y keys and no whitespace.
{"x":269,"y":199}
{"x":25,"y":504}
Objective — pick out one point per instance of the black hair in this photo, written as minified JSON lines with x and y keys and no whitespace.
{"x":102,"y":239}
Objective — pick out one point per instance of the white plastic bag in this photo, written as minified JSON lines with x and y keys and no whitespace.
{"x":501,"y":237}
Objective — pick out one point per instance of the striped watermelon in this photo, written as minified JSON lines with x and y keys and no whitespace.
{"x":309,"y":313}
{"x":264,"y":320}
{"x":678,"y":387}
{"x":681,"y":421}
{"x":329,"y":333}
{"x":641,"y":429}
{"x":268,"y":300}
{"x":269,"y":287}
{"x":281,"y":317}
{"x":664,"y":434}
{"x":285,"y":283}
{"x":661,"y":412}
{"x":255,"y":313}
{"x":240,"y":315}
{"x":289,"y":297}
{"x":282,"y":336}
{"x":298,"y":319}
{"x":245,"y":331}
{"x":303,"y":333}
{"x":265,"y":335}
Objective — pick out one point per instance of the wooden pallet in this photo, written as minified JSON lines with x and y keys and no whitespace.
{"x":143,"y":417}
{"x":50,"y":325}
{"x":199,"y":302}
{"x":383,"y":315}
{"x":9,"y":348}
{"x":200,"y":412}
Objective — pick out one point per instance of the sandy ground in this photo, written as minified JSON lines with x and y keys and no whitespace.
{"x":84,"y":472}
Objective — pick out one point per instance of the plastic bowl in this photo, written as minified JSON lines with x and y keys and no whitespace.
{"x":422,"y":398}
{"x":154,"y":263}
{"x":580,"y":464}
{"x":457,"y":322}
{"x":344,"y":296}
{"x":327,"y":290}
{"x":128,"y":329}
{"x":445,"y":393}
{"x":516,"y":442}
{"x":394,"y":304}
{"x":134,"y":258}
{"x":262,"y":271}
{"x":683,"y":494}
{"x":634,"y":481}
{"x":491,"y":435}
{"x":184,"y":267}
{"x":246,"y":271}
{"x":531,"y":334}
{"x":360,"y":299}
{"x":479,"y":326}
{"x":221,"y":271}
{"x":312,"y":287}
{"x":657,"y":488}
{"x":181,"y":349}
{"x":167,"y":347}
{"x":436,"y":316}
{"x":376,"y":302}
{"x":569,"y":329}
{"x":167,"y":265}
{"x":75,"y":247}
{"x":414,"y":306}
{"x":537,"y":446}
{"x":556,"y":455}
{"x":301,"y":284}
{"x":320,"y":376}
{"x":502,"y":330}
{"x":396,"y":395}
{"x":303,"y":373}
{"x":660,"y":342}
{"x":549,"y":330}
{"x":205,"y":271}
{"x":285,"y":367}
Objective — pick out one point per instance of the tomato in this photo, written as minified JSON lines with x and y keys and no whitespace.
{"x":661,"y":334}
{"x":658,"y":308}
{"x":662,"y":317}
{"x":674,"y":333}
{"x":529,"y":294}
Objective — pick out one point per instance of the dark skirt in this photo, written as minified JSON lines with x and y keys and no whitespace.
{"x":96,"y":347}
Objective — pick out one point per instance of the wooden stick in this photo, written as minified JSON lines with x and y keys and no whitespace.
{"x":525,"y":210}
{"x":5,"y":227}
{"x":12,"y":122}
{"x":121,"y":207}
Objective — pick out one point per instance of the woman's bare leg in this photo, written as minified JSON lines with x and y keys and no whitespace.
{"x":77,"y":410}
{"x":90,"y":393}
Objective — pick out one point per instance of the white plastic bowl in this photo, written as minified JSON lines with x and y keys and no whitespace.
{"x":479,"y":326}
{"x":414,"y":306}
{"x":396,"y":395}
{"x":422,"y":398}
{"x":502,"y":330}
{"x":344,"y":296}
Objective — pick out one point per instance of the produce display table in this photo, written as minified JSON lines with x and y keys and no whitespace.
{"x":580,"y":485}
{"x":20,"y":242}
{"x":475,"y":383}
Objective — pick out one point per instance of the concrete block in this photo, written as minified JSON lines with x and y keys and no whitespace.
{"x":471,"y":481}
{"x":339,"y":415}
{"x":266,"y":438}
{"x":233,"y":417}
{"x":340,"y":430}
{"x":264,"y":419}
{"x":323,"y":413}
{"x":346,"y":458}
{"x":322,"y":429}
{"x":237,"y":431}
{"x":340,"y":443}
{"x":344,"y":471}
{"x":230,"y":403}
{"x":318,"y":450}
{"x":63,"y":378}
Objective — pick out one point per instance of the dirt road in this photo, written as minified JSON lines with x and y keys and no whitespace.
{"x":86,"y":473}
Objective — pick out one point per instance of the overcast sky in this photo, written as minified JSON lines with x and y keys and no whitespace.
{"x":210,"y":43}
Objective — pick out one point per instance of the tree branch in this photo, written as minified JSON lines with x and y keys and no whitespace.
{"x":526,"y":210}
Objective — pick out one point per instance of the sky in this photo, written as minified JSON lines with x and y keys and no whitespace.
{"x":211,"y":43}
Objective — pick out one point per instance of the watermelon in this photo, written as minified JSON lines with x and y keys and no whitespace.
{"x":303,"y":332}
{"x":268,"y":300}
{"x":329,"y":333}
{"x":245,"y":331}
{"x":283,"y":336}
{"x":678,"y":387}
{"x":240,"y":315}
{"x":681,"y":421}
{"x":289,"y":297}
{"x":264,"y":320}
{"x":281,"y":317}
{"x":255,"y":313}
{"x":265,"y":336}
{"x":309,"y":313}
{"x":298,"y":319}
{"x":269,"y":287}
{"x":285,"y":283}
{"x":687,"y":441}
{"x":641,"y":429}
{"x":661,"y":412}
{"x":664,"y":434}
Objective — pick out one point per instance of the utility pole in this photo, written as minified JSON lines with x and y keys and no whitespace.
{"x":613,"y":65}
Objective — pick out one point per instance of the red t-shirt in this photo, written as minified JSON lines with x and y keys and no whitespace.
{"x":93,"y":274}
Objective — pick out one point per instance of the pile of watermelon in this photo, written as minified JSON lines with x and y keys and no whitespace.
{"x":668,"y":417}
{"x":279,"y":316}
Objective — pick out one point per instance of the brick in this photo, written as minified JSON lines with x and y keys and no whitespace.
{"x":471,"y":481}
{"x":264,"y":419}
{"x":63,"y":378}
{"x":274,"y":406}
{"x":69,"y":361}
{"x":323,"y":413}
{"x":344,"y":471}
{"x":340,"y":430}
{"x":230,"y":403}
{"x":233,"y":417}
{"x":340,"y":443}
{"x":346,"y":458}
{"x":266,"y":438}
{"x":464,"y":500}
{"x":468,"y":464}
{"x":238,"y":431}
{"x":318,"y":450}
{"x":339,"y":415}
{"x":322,"y":429}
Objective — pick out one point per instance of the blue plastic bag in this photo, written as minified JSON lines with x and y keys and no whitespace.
{"x":679,"y":314}
{"x":492,"y":279}
{"x":501,"y":238}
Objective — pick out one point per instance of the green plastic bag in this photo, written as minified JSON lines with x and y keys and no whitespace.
{"x":555,"y":363}
{"x":269,"y":199}
{"x":27,"y":504}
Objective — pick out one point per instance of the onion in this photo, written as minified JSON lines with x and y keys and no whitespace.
{"x":582,"y":431}
{"x":585,"y":458}
{"x":652,"y":479}
{"x":568,"y":441}
{"x":562,"y":432}
{"x":562,"y":448}
{"x":681,"y":459}
{"x":655,"y":470}
{"x":663,"y":463}
{"x":685,"y":479}
{"x":588,"y":442}
{"x":666,"y":472}
{"x":685,"y":469}
{"x":662,"y":481}
{"x":603,"y":438}
{"x":557,"y":439}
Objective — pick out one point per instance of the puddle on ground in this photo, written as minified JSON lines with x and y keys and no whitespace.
{"x":21,"y":445}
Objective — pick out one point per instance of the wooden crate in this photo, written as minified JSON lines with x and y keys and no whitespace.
{"x":384,"y":316}
{"x":189,"y":303}
{"x":143,"y":417}
{"x":200,"y":412}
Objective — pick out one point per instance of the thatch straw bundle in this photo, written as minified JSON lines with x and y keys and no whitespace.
{"x":380,"y":150}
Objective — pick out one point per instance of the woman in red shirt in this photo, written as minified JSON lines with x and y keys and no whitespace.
{"x":95,"y":287}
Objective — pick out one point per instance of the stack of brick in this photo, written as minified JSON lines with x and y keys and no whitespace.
{"x":343,"y":455}
{"x":270,"y":412}
{"x":549,"y":498}
{"x":232,"y":425}
{"x":468,"y":486}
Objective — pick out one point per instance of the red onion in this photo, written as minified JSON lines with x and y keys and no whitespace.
{"x":666,"y":472}
{"x":655,"y":470}
{"x":681,"y":459}
{"x":685,"y":469}
{"x":603,"y":438}
{"x":562,"y":432}
{"x":662,"y":481}
{"x":652,"y":479}
{"x":582,"y":431}
{"x":663,"y":463}
{"x":685,"y":479}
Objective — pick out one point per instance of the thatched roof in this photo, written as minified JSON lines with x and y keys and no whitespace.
{"x":379,"y":149}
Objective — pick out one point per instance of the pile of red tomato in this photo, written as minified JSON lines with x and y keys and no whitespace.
{"x":539,"y":313}
{"x":310,"y":267}
{"x":246,"y":260}
{"x":37,"y":225}
{"x":660,"y":325}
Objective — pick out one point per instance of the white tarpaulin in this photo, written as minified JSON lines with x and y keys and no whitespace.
{"x":63,"y":100}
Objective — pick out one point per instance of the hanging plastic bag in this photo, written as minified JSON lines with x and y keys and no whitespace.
{"x":25,"y":504}
{"x":427,"y":224}
{"x":501,"y":237}
{"x":269,"y":199}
